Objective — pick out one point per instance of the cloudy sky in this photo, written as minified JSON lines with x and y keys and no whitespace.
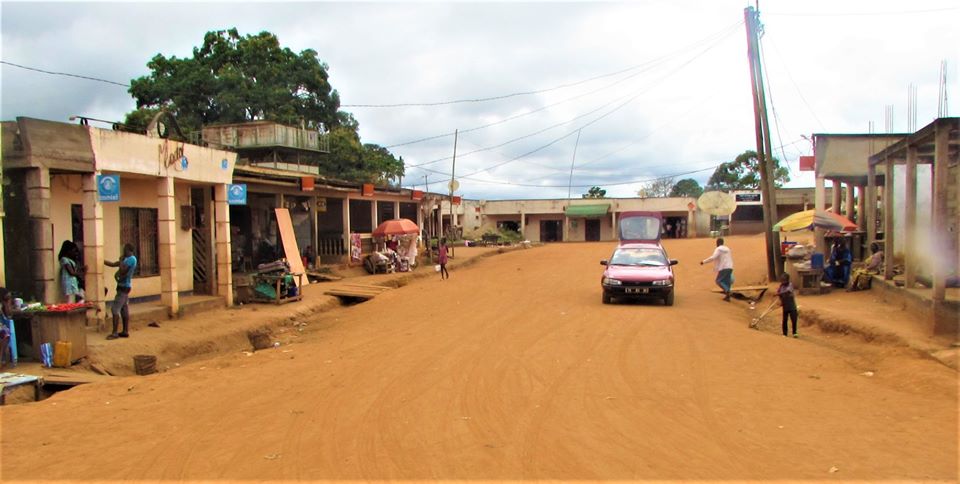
{"x":651,"y":88}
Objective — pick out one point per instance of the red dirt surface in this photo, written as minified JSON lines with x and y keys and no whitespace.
{"x":513,"y":369}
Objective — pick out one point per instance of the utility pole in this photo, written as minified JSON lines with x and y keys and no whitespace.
{"x":453,"y":179}
{"x":764,"y":151}
{"x":570,"y":183}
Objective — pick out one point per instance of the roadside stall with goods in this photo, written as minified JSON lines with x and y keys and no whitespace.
{"x":396,"y":247}
{"x":275,"y":283}
{"x":805,"y":267}
{"x":56,"y":332}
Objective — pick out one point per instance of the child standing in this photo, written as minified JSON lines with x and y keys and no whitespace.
{"x":786,"y":294}
{"x":442,"y":259}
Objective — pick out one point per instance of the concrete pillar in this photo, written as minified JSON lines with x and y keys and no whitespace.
{"x":93,"y":253}
{"x":848,"y":207}
{"x":523,"y":223}
{"x":614,"y":230}
{"x":346,"y":225}
{"x":870,"y":218}
{"x":836,"y":196}
{"x":221,"y":217}
{"x":939,"y":224}
{"x":396,"y":209}
{"x":42,"y":255}
{"x":691,"y":223}
{"x":861,"y":207}
{"x":910,"y":219}
{"x":167,"y":242}
{"x":888,"y":242}
{"x":373,"y":216}
{"x":819,"y":203}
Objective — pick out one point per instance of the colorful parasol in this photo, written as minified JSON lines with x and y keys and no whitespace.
{"x":810,"y":219}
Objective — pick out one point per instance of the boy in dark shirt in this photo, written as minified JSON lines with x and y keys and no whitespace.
{"x":788,"y":302}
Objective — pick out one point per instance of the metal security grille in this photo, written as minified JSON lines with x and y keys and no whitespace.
{"x":138,"y":226}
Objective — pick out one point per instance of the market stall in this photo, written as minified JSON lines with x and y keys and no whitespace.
{"x":53,"y":324}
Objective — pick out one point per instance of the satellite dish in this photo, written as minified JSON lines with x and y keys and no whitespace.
{"x":453,"y":185}
{"x":717,"y":203}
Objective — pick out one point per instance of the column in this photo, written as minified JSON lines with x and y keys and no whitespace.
{"x":848,"y":208}
{"x":940,"y":223}
{"x":836,"y":196}
{"x":373,"y":216}
{"x":221,"y":216}
{"x":396,"y":209}
{"x":691,"y":223}
{"x":42,"y":254}
{"x":167,"y":241}
{"x":910,"y":219}
{"x":93,"y":253}
{"x":819,"y":203}
{"x":870,"y":218}
{"x":888,"y":232}
{"x":861,"y":207}
{"x":614,"y":231}
{"x":523,"y":223}
{"x":346,"y":226}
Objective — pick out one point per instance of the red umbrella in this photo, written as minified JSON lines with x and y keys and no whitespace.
{"x":400,"y":226}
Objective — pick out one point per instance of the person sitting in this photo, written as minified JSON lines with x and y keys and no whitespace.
{"x":838,"y":272}
{"x":863,"y":276}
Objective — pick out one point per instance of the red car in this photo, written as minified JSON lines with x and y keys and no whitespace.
{"x":638,"y":270}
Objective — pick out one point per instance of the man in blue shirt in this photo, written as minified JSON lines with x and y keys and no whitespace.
{"x":124,"y":276}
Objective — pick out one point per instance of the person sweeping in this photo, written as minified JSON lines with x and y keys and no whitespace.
{"x":723,"y":266}
{"x":788,"y":302}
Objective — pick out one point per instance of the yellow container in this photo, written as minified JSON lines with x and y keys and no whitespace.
{"x":62,"y":353}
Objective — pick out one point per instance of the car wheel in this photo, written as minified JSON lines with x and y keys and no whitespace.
{"x":668,"y":300}
{"x":607,"y":299}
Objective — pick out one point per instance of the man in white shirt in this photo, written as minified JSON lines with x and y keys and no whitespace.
{"x":723,"y":266}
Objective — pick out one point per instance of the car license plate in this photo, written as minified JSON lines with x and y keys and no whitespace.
{"x":637,"y":290}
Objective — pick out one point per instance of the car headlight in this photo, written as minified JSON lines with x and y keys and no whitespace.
{"x":663,"y":282}
{"x":611,"y":282}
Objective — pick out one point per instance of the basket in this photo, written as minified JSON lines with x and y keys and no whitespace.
{"x":145,"y":364}
{"x":259,"y":340}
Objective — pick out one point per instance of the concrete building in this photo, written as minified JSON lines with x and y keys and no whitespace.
{"x":171,"y":204}
{"x":577,"y":220}
{"x":748,"y":218}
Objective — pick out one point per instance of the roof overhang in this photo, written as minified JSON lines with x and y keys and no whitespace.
{"x":587,"y":211}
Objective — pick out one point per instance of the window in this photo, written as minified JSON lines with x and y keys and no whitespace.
{"x":138,"y":226}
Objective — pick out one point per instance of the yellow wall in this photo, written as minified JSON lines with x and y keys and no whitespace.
{"x":66,"y":190}
{"x":117,"y":151}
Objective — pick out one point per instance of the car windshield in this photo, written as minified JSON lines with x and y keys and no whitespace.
{"x":638,"y":257}
{"x":639,"y":228}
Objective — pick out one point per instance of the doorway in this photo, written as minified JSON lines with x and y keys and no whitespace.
{"x":591,"y":229}
{"x":551,"y":231}
{"x":202,"y":249}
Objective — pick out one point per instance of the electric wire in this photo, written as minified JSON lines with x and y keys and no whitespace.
{"x":776,"y":118}
{"x":861,"y":14}
{"x":803,"y":98}
{"x":648,"y":66}
{"x":66,"y":74}
{"x":499,"y":97}
{"x":556,"y":140}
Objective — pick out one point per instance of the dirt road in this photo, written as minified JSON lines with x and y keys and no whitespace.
{"x":513,"y":369}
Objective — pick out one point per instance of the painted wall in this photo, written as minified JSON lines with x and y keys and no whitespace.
{"x":66,"y":190}
{"x":117,"y":151}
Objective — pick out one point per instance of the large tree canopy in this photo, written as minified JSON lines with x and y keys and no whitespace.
{"x":743,"y":173}
{"x":595,"y":192}
{"x":233,"y":79}
{"x":688,"y":187}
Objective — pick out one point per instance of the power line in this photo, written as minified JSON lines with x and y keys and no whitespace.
{"x":496,"y":98}
{"x":65,"y":74}
{"x":649,"y":65}
{"x":630,"y":182}
{"x":795,"y":86}
{"x":554,"y":141}
{"x":861,"y":14}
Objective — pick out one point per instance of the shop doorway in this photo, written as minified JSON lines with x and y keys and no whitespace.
{"x":591,"y":228}
{"x":551,"y":231}
{"x":202,"y":248}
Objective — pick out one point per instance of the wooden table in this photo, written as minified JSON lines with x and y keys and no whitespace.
{"x":275,"y":280}
{"x":809,"y":282}
{"x":10,"y":381}
{"x":53,"y":326}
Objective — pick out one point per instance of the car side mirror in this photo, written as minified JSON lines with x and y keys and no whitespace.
{"x":603,"y":262}
{"x":674,"y":262}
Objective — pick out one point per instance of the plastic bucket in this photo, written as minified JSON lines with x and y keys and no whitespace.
{"x":62,"y":352}
{"x":145,"y":364}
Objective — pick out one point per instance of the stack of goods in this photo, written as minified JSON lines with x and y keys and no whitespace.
{"x":266,"y":286}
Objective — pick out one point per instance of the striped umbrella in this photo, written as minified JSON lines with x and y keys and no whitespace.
{"x":810,"y":219}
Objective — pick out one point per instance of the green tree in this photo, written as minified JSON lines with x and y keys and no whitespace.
{"x":595,"y":192}
{"x":688,"y":187}
{"x":658,"y":188}
{"x":743,"y":173}
{"x":233,"y":78}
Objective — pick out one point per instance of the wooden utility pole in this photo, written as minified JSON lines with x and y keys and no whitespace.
{"x":453,"y":181}
{"x":764,"y":151}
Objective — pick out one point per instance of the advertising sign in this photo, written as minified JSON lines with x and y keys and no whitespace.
{"x":108,"y":188}
{"x":237,"y":194}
